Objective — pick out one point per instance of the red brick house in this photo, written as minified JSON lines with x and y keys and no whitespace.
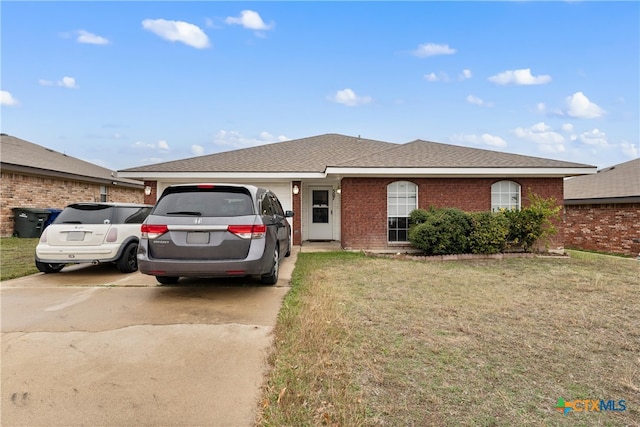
{"x":602,"y":211}
{"x":34,"y":176}
{"x":360,"y":192}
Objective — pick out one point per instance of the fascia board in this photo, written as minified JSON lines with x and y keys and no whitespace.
{"x":222,"y":175}
{"x":461,"y":172}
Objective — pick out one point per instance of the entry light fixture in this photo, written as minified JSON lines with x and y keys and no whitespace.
{"x":147,"y":190}
{"x":296,"y":189}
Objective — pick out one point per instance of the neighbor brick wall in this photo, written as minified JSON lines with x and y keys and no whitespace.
{"x":613,"y":228}
{"x":364,"y":203}
{"x":31,"y":191}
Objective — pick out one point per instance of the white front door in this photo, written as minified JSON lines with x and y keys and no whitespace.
{"x":321,"y":211}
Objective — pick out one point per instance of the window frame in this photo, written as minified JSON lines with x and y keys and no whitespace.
{"x":393,"y":194}
{"x":498,"y":193}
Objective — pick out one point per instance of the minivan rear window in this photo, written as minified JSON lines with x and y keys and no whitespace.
{"x":211,"y":203}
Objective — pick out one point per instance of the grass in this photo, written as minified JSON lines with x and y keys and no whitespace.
{"x":366,"y":341}
{"x":17,"y":257}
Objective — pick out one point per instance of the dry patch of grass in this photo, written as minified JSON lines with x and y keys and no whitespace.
{"x":18,"y":257}
{"x":373,"y":341}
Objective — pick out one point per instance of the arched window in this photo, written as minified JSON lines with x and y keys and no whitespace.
{"x":505,"y":195}
{"x":402,"y":198}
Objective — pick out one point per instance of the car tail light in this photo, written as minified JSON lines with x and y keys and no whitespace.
{"x":206,"y":186}
{"x":248,"y":231}
{"x":43,"y":237}
{"x":151,"y":231}
{"x":112,"y":236}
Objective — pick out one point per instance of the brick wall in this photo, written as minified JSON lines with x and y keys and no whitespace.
{"x":364,"y":204}
{"x":30,"y":191}
{"x":613,"y":228}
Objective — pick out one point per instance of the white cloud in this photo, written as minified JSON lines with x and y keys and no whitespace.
{"x":519,"y":77}
{"x":431,"y":49}
{"x":89,"y":38}
{"x":471,"y":99}
{"x":484,"y":139}
{"x":179,"y":31}
{"x":567,"y":127}
{"x":542,"y":134}
{"x":197,"y":150}
{"x":161,"y":146}
{"x":44,"y":82}
{"x":235,"y":139}
{"x":465,"y":75}
{"x":580,"y":107}
{"x":440,"y":77}
{"x":594,"y":137}
{"x":68,"y":82}
{"x":7,"y":99}
{"x":349,"y":98}
{"x":250,"y":20}
{"x":629,"y":150}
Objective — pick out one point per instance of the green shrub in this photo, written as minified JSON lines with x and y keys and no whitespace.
{"x":418,"y":216}
{"x":533,"y":222}
{"x":489,"y":232}
{"x":441,"y":231}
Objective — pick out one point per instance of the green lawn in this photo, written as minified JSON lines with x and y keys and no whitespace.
{"x":17,"y":257}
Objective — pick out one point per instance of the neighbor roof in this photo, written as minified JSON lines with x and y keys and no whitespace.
{"x":615,"y":184}
{"x":23,"y":156}
{"x":345,"y":155}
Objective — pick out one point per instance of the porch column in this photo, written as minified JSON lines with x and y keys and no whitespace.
{"x":297,"y":208}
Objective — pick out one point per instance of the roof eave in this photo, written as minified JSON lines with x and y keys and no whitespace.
{"x":220,"y":175}
{"x":469,"y":172}
{"x":65,"y":175}
{"x":603,"y":200}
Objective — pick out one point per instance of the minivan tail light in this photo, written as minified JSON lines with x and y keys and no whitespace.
{"x":151,"y":231}
{"x":248,"y":231}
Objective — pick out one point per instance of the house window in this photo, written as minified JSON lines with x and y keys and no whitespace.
{"x":402,"y":198}
{"x":505,"y":195}
{"x":103,"y":193}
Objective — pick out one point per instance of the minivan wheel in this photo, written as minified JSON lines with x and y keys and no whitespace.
{"x":272,"y":277}
{"x":128,"y":262}
{"x":47,"y":267}
{"x":167,"y":280}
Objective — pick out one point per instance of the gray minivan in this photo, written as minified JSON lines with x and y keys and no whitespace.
{"x":215,"y":230}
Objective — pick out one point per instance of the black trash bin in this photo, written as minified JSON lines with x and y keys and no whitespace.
{"x":53,"y":214}
{"x":29,"y":222}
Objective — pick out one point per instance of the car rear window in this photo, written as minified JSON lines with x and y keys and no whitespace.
{"x":85,"y":214}
{"x":131,"y":214}
{"x":205,"y":202}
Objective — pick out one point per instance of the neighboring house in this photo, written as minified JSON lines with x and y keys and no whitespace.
{"x":360,"y":192}
{"x":602,"y":211}
{"x":34,"y":176}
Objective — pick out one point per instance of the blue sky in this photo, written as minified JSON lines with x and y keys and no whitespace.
{"x":125,"y":84}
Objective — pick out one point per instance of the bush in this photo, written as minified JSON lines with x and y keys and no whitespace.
{"x":489,"y":232}
{"x":534,"y":222}
{"x":440,"y":231}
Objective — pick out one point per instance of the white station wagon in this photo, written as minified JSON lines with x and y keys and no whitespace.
{"x":92,"y":233}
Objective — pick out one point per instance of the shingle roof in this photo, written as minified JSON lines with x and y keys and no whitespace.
{"x":27,"y":156}
{"x":300,"y":155}
{"x":619,"y":181}
{"x":315,"y":154}
{"x":426,"y":154}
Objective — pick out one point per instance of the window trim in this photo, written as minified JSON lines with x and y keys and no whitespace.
{"x":499,"y":193}
{"x":406,"y":193}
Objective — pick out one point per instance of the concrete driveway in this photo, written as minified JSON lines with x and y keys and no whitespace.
{"x":91,"y":346}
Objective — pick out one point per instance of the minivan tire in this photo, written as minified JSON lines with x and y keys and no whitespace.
{"x":272,"y":277}
{"x":47,"y":267}
{"x":128,"y":262}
